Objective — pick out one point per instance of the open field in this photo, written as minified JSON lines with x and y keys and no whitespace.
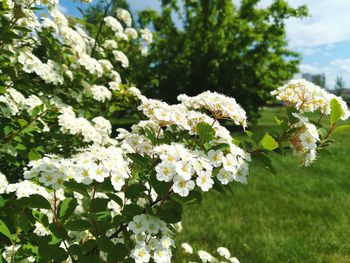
{"x":298,"y":215}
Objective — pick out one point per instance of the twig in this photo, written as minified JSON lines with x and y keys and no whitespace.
{"x":100,"y":28}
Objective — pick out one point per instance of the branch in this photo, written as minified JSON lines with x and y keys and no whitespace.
{"x":100,"y":28}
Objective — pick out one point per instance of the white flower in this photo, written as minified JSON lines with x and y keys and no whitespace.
{"x":83,"y":175}
{"x":120,"y":56}
{"x":131,"y":33}
{"x":307,"y":140}
{"x":224,"y":176}
{"x":182,"y":186}
{"x":205,"y":256}
{"x":146,"y":35}
{"x":113,"y":23}
{"x":124,"y":16}
{"x":100,"y":93}
{"x":224,"y":252}
{"x":310,"y":157}
{"x":110,"y":44}
{"x":162,"y":255}
{"x":141,"y":254}
{"x":241,"y":173}
{"x":165,"y":171}
{"x":166,"y":242}
{"x":184,"y":169}
{"x":215,"y":157}
{"x":204,"y":181}
{"x":114,"y":85}
{"x":40,"y":230}
{"x":98,"y":172}
{"x":234,"y":260}
{"x":187,"y":248}
{"x":230,"y":163}
{"x":137,"y":226}
{"x":3,"y":183}
{"x":117,"y":181}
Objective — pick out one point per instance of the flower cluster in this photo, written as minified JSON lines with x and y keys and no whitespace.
{"x":94,"y":164}
{"x":304,"y":140}
{"x":179,"y":164}
{"x":151,"y":238}
{"x":98,"y":133}
{"x":308,"y":97}
{"x":305,"y":96}
{"x":15,"y":102}
{"x":48,"y":71}
{"x":222,"y":107}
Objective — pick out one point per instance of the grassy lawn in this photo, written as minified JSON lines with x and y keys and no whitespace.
{"x":299,"y":215}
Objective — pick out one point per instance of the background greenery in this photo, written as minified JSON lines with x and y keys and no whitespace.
{"x":238,"y":50}
{"x":297,"y":215}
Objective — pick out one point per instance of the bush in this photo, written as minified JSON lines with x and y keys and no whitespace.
{"x":73,"y":192}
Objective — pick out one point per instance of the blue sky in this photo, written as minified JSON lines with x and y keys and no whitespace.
{"x":323,"y":39}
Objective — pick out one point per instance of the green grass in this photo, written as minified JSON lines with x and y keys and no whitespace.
{"x":298,"y":215}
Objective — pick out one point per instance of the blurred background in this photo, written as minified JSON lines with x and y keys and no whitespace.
{"x":244,"y":49}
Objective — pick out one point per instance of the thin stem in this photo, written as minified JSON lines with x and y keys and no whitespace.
{"x":92,"y":209}
{"x":56,"y":221}
{"x":100,"y":28}
{"x":319,"y":119}
{"x":14,"y":134}
{"x":329,"y":132}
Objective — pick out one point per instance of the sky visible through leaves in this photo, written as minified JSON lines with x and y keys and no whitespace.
{"x":323,"y":38}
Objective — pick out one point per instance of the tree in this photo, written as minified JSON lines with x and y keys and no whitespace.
{"x":214,"y":45}
{"x":339,"y":86}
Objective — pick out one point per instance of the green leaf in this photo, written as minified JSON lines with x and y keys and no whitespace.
{"x":22,"y":122}
{"x":105,"y":244}
{"x":34,"y":155}
{"x":160,"y":187}
{"x":77,"y":225}
{"x":322,"y":132}
{"x":66,"y":208}
{"x":278,"y":121}
{"x":132,"y":210}
{"x":171,"y":212}
{"x":76,"y":187}
{"x":336,"y":111}
{"x":119,"y":252}
{"x":74,"y":250}
{"x":134,"y":190}
{"x":341,"y":128}
{"x":265,"y":162}
{"x":88,"y":246}
{"x":35,"y":201}
{"x":205,"y":131}
{"x":4,"y":230}
{"x":249,"y":133}
{"x":268,"y":142}
{"x":139,"y":162}
{"x":25,"y":251}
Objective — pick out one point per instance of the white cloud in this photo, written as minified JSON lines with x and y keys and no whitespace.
{"x":326,"y":25}
{"x":337,"y":67}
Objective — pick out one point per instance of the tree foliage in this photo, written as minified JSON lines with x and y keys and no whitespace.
{"x":240,"y":50}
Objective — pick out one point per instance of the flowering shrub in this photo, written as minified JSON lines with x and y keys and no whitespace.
{"x":73,"y":192}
